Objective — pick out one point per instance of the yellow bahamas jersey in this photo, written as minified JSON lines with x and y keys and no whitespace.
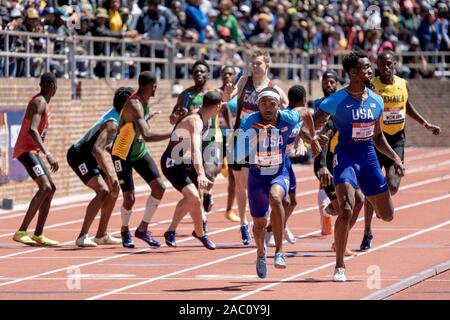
{"x":394,"y":97}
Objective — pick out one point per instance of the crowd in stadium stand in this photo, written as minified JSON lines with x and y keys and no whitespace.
{"x":322,"y":26}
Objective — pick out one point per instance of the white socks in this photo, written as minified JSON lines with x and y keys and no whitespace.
{"x":126,"y":216}
{"x":150,"y":207}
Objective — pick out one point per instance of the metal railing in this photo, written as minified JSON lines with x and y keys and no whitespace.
{"x":94,"y":57}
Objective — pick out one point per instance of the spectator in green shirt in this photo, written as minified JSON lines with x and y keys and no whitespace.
{"x":226,"y":19}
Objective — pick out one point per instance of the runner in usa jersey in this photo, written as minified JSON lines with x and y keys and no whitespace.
{"x":356,"y":111}
{"x":30,"y":143}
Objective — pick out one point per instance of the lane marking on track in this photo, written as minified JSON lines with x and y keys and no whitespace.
{"x":254,"y":251}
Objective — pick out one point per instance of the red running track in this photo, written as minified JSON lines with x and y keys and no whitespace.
{"x":416,"y":240}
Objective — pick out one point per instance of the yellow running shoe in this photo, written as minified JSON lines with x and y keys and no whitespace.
{"x":43,"y":241}
{"x":23,"y":237}
{"x":232,"y":216}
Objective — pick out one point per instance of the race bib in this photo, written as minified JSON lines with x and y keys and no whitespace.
{"x":393,"y":115}
{"x":269,"y":158}
{"x":83,"y":169}
{"x":362,"y":131}
{"x":38,"y":171}
{"x":118,"y":166}
{"x":169,"y":163}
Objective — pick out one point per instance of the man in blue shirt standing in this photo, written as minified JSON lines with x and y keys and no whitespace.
{"x":355,"y":111}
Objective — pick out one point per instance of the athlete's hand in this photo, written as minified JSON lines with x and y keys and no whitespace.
{"x":299,"y":149}
{"x":325,"y":177}
{"x":315,"y":148}
{"x":435,"y":129}
{"x":178,"y":114}
{"x":399,"y":167}
{"x":203,"y":183}
{"x":53,"y":163}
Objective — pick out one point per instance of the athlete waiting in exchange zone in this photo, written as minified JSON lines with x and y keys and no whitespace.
{"x":88,"y":159}
{"x":129,"y":151}
{"x":188,"y":175}
{"x":355,"y":111}
{"x":30,"y":142}
{"x":264,"y":136}
{"x":395,"y":93}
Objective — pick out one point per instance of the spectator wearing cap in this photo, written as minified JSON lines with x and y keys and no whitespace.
{"x":196,"y":19}
{"x":228,"y":20}
{"x":101,"y":30}
{"x":262,"y":35}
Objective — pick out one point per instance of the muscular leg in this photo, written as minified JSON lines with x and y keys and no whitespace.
{"x":101,"y":192}
{"x":241,"y":178}
{"x":45,"y":191}
{"x":158,"y":189}
{"x":383,"y":205}
{"x":289,"y":207}
{"x":231,"y":190}
{"x":43,"y":211}
{"x":393,"y":181}
{"x":346,"y":198}
{"x":359,"y":202}
{"x":259,"y":231}
{"x":128,"y":203}
{"x":191,"y":203}
{"x":277,"y":216}
{"x":106,"y":210}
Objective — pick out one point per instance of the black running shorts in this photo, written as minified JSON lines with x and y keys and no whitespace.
{"x":34,"y":165}
{"x":145,"y":167}
{"x":84,"y":164}
{"x":179,"y":175}
{"x":397,"y":142}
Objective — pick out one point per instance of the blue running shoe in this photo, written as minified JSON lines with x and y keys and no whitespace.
{"x":261,"y":267}
{"x":280,"y":260}
{"x":205,"y":241}
{"x":366,"y":243}
{"x":127,"y":241}
{"x":170,"y":238}
{"x":246,"y":238}
{"x":147,"y":237}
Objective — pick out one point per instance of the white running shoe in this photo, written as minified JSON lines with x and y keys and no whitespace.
{"x":85,"y":242}
{"x":269,"y":239}
{"x":289,"y":236}
{"x":107,"y":239}
{"x":339,"y":275}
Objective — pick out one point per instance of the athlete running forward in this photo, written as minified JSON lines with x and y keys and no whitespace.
{"x":89,"y":159}
{"x":323,"y":168}
{"x":355,"y":111}
{"x":394,"y":91}
{"x":190,"y":100}
{"x":30,"y":143}
{"x":295,"y":147}
{"x":247,"y":90}
{"x":129,"y":151}
{"x":187,"y":175}
{"x":264,"y":136}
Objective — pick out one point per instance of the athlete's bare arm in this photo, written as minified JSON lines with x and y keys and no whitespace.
{"x":320,"y":118}
{"x":195,"y":128}
{"x":36,"y":108}
{"x":137,"y":116}
{"x":226,"y":115}
{"x":309,"y":124}
{"x":284,"y":97}
{"x":230,"y":90}
{"x":99,"y":150}
{"x":412,"y":112}
{"x":383,"y":146}
{"x":178,"y":112}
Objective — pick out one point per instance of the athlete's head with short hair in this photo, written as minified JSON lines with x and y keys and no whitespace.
{"x":329,"y":82}
{"x":228,"y":74}
{"x":200,"y":73}
{"x":260,"y":63}
{"x":120,"y":97}
{"x":297,"y":96}
{"x":386,"y":64}
{"x":48,"y":83}
{"x":147,"y":83}
{"x":358,"y":67}
{"x":269,"y":102}
{"x":212,"y":101}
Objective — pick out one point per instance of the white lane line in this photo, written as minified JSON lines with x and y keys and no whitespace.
{"x":253,"y":251}
{"x":269,"y":286}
